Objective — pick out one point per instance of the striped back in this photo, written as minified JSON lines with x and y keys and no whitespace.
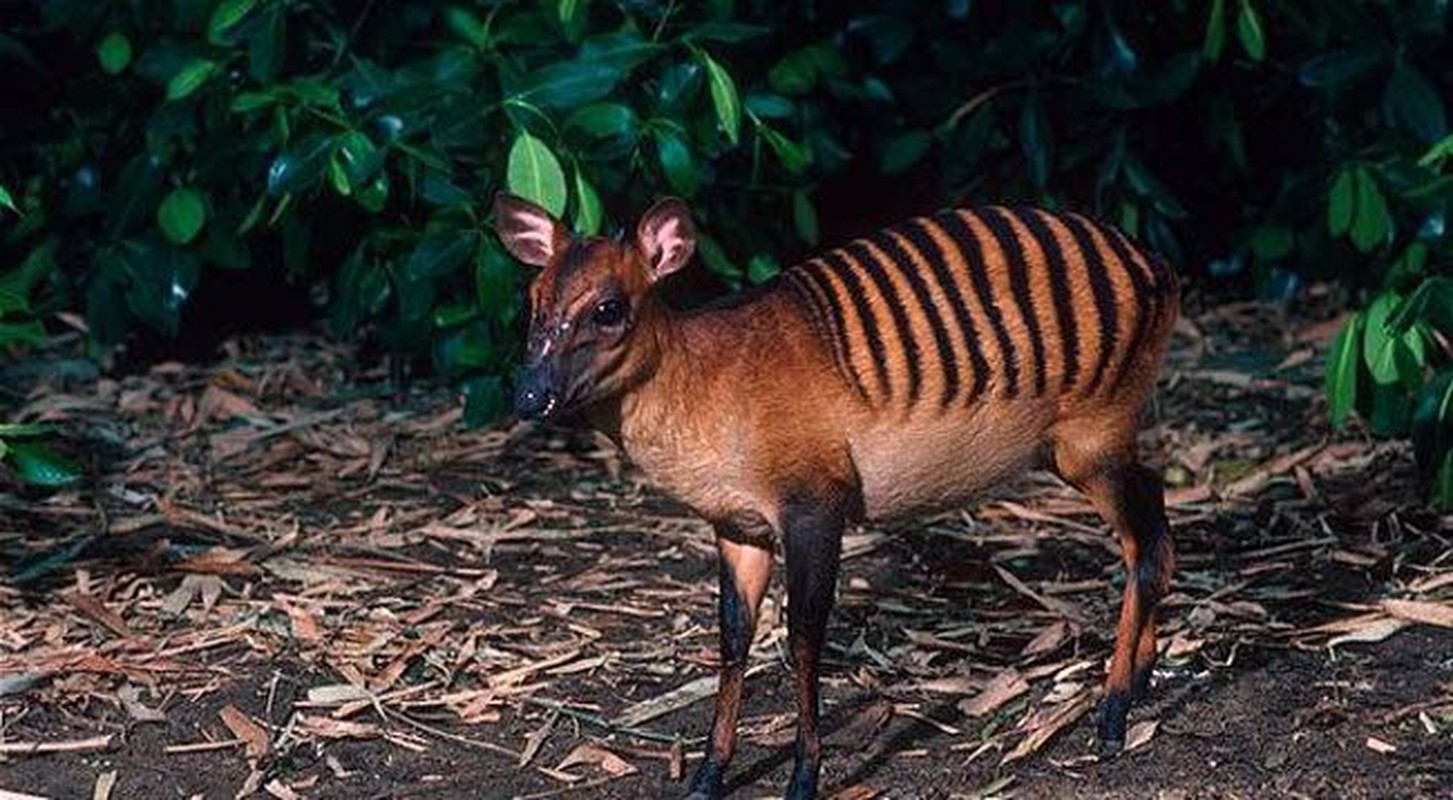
{"x":986,"y":302}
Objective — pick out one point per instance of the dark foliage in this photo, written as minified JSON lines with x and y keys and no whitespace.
{"x":182,"y":163}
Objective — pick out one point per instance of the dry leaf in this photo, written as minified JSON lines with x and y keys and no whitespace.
{"x":1424,"y":611}
{"x":254,"y":737}
{"x":1048,"y":640}
{"x":1140,"y":734}
{"x":1063,"y":716}
{"x":1374,"y":630}
{"x":337,"y":694}
{"x":130,"y":697}
{"x":1002,"y":688}
{"x":597,"y":756}
{"x":1377,"y":745}
{"x":105,"y":783}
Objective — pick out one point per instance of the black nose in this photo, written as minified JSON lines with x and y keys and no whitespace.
{"x":533,"y":400}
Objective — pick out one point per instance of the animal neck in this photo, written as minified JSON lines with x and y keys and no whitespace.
{"x":651,"y":373}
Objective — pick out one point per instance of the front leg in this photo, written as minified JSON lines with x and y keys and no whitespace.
{"x":744,"y":572}
{"x":812,"y":533}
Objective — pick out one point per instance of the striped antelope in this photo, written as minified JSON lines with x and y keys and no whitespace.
{"x":901,"y":373}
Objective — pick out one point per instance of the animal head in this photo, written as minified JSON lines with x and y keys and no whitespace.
{"x":591,"y":302}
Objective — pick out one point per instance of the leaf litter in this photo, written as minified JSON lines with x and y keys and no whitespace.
{"x":516,"y":590}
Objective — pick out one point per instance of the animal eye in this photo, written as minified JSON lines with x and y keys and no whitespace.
{"x":609,"y":312}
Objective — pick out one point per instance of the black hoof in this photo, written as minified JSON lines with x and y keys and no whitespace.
{"x":804,"y":783}
{"x":1110,"y":748}
{"x":706,"y":783}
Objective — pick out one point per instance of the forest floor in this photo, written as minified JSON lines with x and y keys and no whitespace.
{"x":281,"y":580}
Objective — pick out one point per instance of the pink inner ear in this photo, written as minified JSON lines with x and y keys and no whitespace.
{"x":668,"y":244}
{"x":531,"y":238}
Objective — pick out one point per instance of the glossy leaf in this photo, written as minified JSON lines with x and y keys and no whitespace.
{"x":1035,"y":140}
{"x":190,"y":78}
{"x":1341,"y":203}
{"x":588,"y":211}
{"x":1412,"y":103}
{"x":1379,"y":342}
{"x":114,"y":52}
{"x":300,"y":167}
{"x":676,"y":163}
{"x":226,"y":17}
{"x":1371,"y":223}
{"x":181,"y":215}
{"x":37,"y":465}
{"x":534,"y":173}
{"x":1343,"y":365}
{"x":1215,"y":38}
{"x":903,"y":151}
{"x":6,"y":200}
{"x":1249,"y":31}
{"x":724,"y":97}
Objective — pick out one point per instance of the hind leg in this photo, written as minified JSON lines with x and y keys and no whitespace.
{"x":1130,"y":497}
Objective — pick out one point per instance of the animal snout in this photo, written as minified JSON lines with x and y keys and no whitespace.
{"x":535,"y":395}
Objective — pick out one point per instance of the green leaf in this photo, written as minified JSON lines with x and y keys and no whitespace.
{"x":1412,"y":103}
{"x":903,"y":151}
{"x":373,"y":196}
{"x":114,"y":52}
{"x":1341,"y":203}
{"x":534,"y":173}
{"x":1437,"y":152}
{"x":190,"y":78}
{"x":300,"y":167}
{"x":226,"y":16}
{"x":794,"y":157}
{"x":1333,"y":70}
{"x":676,"y":163}
{"x":32,"y":333}
{"x":1249,"y":32}
{"x":267,"y":43}
{"x":439,"y":253}
{"x":804,"y":217}
{"x":358,"y":158}
{"x":464,"y":22}
{"x":723,"y":96}
{"x":1215,"y":39}
{"x":1380,"y":343}
{"x":14,"y":430}
{"x":762,"y":268}
{"x":38,"y":466}
{"x":603,"y":121}
{"x":6,"y":200}
{"x":181,"y":215}
{"x":588,"y":210}
{"x":1343,"y":361}
{"x":566,"y":9}
{"x":1432,"y":423}
{"x":1371,"y":223}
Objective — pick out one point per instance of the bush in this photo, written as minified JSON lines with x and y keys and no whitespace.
{"x":1260,"y":143}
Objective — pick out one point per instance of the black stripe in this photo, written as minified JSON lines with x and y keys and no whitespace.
{"x":998,"y":223}
{"x":858,"y":250}
{"x":917,"y":234}
{"x":1144,"y":300}
{"x":858,"y":294}
{"x":829,"y":315}
{"x":889,"y":244}
{"x":1059,"y":283}
{"x":1104,"y":293}
{"x":973,"y":252}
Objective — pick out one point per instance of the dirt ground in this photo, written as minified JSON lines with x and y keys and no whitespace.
{"x":281,"y":579}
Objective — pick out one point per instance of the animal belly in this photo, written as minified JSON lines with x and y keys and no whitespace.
{"x":936,"y":462}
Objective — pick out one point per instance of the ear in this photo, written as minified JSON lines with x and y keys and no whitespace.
{"x":666,"y":237}
{"x":528,"y":231}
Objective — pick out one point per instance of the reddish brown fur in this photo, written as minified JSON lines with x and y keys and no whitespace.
{"x":735,"y":410}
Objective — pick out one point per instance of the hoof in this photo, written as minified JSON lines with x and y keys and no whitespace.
{"x":1110,"y":748}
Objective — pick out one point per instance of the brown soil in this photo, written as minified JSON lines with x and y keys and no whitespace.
{"x":486,"y":586}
